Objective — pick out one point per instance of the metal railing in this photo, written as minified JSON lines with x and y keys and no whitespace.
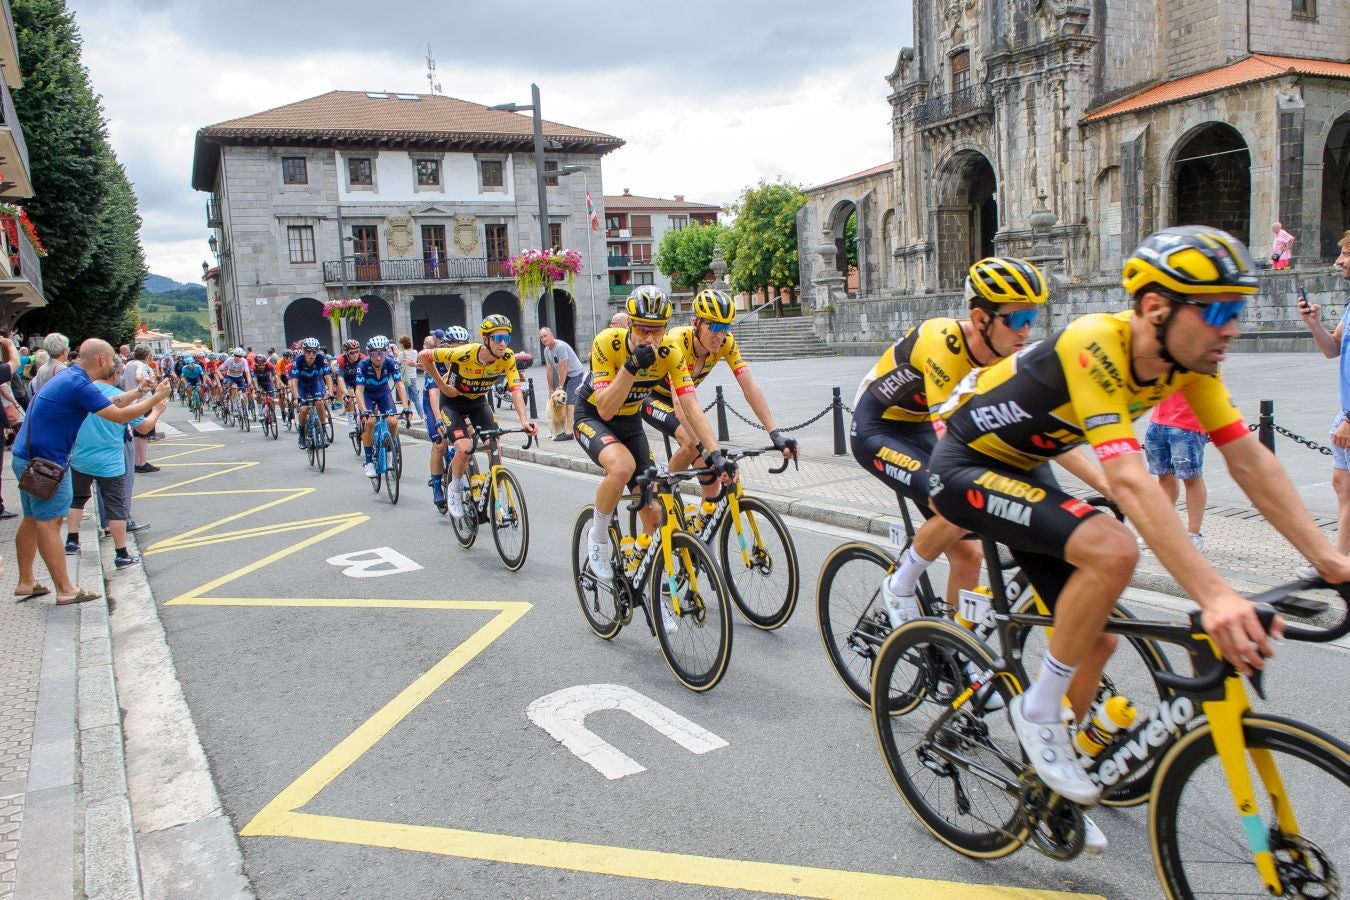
{"x":965,"y":102}
{"x":453,"y":268}
{"x":23,"y":259}
{"x":213,"y":219}
{"x":620,"y":290}
{"x":614,"y":261}
{"x":12,"y":123}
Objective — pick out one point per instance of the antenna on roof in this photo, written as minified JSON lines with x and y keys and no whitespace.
{"x":431,"y":71}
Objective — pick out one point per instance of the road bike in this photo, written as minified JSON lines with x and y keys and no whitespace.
{"x":195,"y":402}
{"x":760,"y":568}
{"x":672,"y":568}
{"x":387,"y":455}
{"x":287,"y":407}
{"x":268,"y":418}
{"x":495,"y":498}
{"x":316,"y":441}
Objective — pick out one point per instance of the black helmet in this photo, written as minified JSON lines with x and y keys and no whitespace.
{"x":649,"y":305}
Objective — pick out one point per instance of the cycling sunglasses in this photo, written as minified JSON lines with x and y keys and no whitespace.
{"x":501,"y":338}
{"x":719,"y":327}
{"x":1017,"y":320}
{"x":1217,"y":313}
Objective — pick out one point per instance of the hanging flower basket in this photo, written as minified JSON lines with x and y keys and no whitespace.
{"x":16,"y":217}
{"x":352,"y":308}
{"x":535,"y":270}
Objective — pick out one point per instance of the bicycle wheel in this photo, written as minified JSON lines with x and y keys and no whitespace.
{"x":328,"y":429}
{"x":311,"y":445}
{"x":1202,"y":847}
{"x":317,"y":441}
{"x":273,"y":423}
{"x":510,"y":519}
{"x":245,"y":421}
{"x":599,"y":603}
{"x":266,"y":424}
{"x":378,"y":451}
{"x":853,"y":624}
{"x":392,"y":469}
{"x":466,"y":526}
{"x":761,"y":567}
{"x":957,"y":768}
{"x":697,"y":641}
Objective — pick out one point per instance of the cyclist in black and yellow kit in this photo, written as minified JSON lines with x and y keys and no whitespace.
{"x":1085,"y":385}
{"x":705,"y":342}
{"x":895,"y":425}
{"x":626,"y":365}
{"x":470,"y":371}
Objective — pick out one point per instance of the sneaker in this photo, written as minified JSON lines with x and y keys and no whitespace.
{"x":562,"y":437}
{"x":1306,"y":573}
{"x":1094,"y":839}
{"x":146,"y":469}
{"x":123,"y":562}
{"x":139,"y":526}
{"x":994,"y":701}
{"x":1051,"y":754}
{"x":456,"y":503}
{"x":369,"y":469}
{"x":668,"y":620}
{"x":1197,"y":540}
{"x":72,"y":548}
{"x":900,"y":608}
{"x":598,"y":557}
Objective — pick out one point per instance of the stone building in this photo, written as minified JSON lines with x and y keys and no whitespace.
{"x":20,"y":265}
{"x":1103,"y":122}
{"x":634,"y":228}
{"x":412,"y":202}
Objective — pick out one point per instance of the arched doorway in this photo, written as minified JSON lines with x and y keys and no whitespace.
{"x":1107,"y":197}
{"x":379,"y":319}
{"x":1336,"y":187}
{"x":431,"y":311}
{"x":564,"y":316}
{"x":1213,"y":180}
{"x":966,"y":215}
{"x":503,"y":303}
{"x":304,"y":318}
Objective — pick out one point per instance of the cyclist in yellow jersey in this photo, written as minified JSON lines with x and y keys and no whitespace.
{"x":625,"y":367}
{"x":470,"y":371}
{"x":705,"y":343}
{"x":895,"y":427}
{"x":1085,"y":385}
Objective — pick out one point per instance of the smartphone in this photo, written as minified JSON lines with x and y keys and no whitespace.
{"x":1302,"y":296}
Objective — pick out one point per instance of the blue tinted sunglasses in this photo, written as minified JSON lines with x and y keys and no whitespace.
{"x":1018,"y":320}
{"x":501,"y":338}
{"x":719,"y":327}
{"x":1217,"y":313}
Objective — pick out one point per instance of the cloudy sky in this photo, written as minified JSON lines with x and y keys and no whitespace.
{"x":710,"y":96}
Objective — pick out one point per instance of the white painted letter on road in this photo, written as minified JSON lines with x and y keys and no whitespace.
{"x":374,"y":563}
{"x":563,"y":715}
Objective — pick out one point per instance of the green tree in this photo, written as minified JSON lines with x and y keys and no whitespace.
{"x":111,"y":280}
{"x":851,"y":239}
{"x":763,"y":249}
{"x":686,"y":254}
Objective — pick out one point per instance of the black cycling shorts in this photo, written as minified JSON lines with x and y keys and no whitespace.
{"x":595,"y":434}
{"x":897,"y":453}
{"x":458,"y":413}
{"x":659,"y":413}
{"x":1026,"y":511}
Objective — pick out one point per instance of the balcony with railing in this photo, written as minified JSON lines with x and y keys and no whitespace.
{"x":617,"y":261}
{"x":213,"y":219}
{"x":642,"y":231}
{"x":21,"y":278}
{"x":620,"y":290}
{"x":13,"y":150}
{"x":454,"y":268}
{"x":954,"y":108}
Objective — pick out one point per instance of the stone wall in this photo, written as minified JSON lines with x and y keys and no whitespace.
{"x":1276,"y":30}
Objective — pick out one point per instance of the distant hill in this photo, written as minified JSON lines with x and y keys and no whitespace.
{"x":159,"y":284}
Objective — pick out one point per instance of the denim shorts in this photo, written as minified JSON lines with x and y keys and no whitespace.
{"x":1174,"y":451}
{"x":44,"y":510}
{"x":1340,"y":457}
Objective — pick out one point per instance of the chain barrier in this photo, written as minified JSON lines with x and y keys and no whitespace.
{"x":1268,"y":421}
{"x":811,"y":421}
{"x":1298,"y":439}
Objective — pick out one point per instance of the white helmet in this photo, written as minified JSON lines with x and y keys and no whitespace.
{"x":378,"y":342}
{"x":237,"y":351}
{"x":457,"y":333}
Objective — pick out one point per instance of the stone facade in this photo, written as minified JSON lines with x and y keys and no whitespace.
{"x":1009,"y":107}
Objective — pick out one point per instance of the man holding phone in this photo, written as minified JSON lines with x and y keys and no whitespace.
{"x":1335,"y":345}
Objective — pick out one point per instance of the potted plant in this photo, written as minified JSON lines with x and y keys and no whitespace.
{"x":535,"y":270}
{"x":352,"y":308}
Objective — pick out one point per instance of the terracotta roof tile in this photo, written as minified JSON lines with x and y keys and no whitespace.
{"x":621,"y":202}
{"x":1257,"y":67}
{"x":875,"y":170}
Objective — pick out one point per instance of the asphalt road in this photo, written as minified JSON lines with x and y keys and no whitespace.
{"x":369,"y":735}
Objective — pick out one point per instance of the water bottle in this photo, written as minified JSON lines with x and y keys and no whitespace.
{"x":1109,"y":718}
{"x":974,"y":607}
{"x":626,"y":549}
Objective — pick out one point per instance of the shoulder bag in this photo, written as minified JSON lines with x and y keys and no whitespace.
{"x":41,"y":477}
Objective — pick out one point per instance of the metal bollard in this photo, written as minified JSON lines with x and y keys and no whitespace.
{"x":1265,"y":429}
{"x":723,"y":430}
{"x":840,"y":446}
{"x":534,"y":412}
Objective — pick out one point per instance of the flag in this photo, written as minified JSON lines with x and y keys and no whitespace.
{"x":591,"y":214}
{"x":435,"y":261}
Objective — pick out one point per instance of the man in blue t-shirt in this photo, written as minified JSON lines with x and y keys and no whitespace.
{"x":54,"y":419}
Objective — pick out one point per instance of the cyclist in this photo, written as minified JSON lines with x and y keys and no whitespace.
{"x":264,"y":383}
{"x":311,"y":380}
{"x":283,"y":369}
{"x":211,"y":377}
{"x":237,"y":372}
{"x":454,"y":336}
{"x":192,"y":374}
{"x":472,"y":369}
{"x":1086,"y":384}
{"x":378,"y":379}
{"x":703,"y":344}
{"x":895,"y":426}
{"x":344,"y":375}
{"x":626,"y":365}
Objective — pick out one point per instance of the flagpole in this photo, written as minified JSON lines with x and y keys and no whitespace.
{"x":586,"y":184}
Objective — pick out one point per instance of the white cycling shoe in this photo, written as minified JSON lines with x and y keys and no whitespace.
{"x":1094,"y":839}
{"x":597,"y":555}
{"x":1051,"y":754}
{"x":668,"y":620}
{"x":456,"y":502}
{"x":370,"y":470}
{"x":900,"y":608}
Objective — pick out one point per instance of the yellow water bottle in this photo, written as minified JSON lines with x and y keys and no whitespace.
{"x":643,"y":541}
{"x":1110,"y":718}
{"x":973,"y":607}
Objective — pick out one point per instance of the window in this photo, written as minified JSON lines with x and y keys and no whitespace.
{"x":642,"y":226}
{"x":960,"y":71}
{"x":366,"y":252}
{"x":293,"y":170}
{"x":492,"y":174}
{"x":497,"y":249}
{"x":1305,"y":8}
{"x":613,"y":223}
{"x":433,"y":250}
{"x":428,"y":172}
{"x":678,"y":222}
{"x":644,"y":278}
{"x":550,"y":166}
{"x":300,"y":239}
{"x":555,"y":235}
{"x":360,"y":171}
{"x":642,"y":254}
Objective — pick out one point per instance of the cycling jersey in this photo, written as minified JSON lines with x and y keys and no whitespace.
{"x":472,"y":378}
{"x":347,"y":368}
{"x":310,"y":371}
{"x":263,"y":377}
{"x":1075,"y":387}
{"x":234,"y":368}
{"x":916,"y":375}
{"x":729,"y":351}
{"x":193,"y":373}
{"x":382,"y":383}
{"x":608,"y":355}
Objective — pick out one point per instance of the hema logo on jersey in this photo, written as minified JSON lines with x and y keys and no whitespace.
{"x":889,"y":388}
{"x":1168,"y":720}
{"x":998,"y":415}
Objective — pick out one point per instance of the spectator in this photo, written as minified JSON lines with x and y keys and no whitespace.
{"x":57,"y":348}
{"x":9,"y":361}
{"x":619,"y":320}
{"x":125,"y":352}
{"x":129,"y":454}
{"x":1336,"y":345}
{"x":138,"y":370}
{"x":54,"y":419}
{"x":563,"y":369}
{"x":21,"y":377}
{"x":1175,"y":446}
{"x":407,"y":362}
{"x":1279,"y":247}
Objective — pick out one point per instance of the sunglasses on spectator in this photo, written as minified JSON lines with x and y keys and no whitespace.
{"x":1217,"y":313}
{"x":1017,"y":320}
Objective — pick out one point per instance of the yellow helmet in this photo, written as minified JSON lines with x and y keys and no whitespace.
{"x":712,"y":305}
{"x":1191,"y":260}
{"x":649,"y":305}
{"x":1004,"y":279}
{"x":494,"y":322}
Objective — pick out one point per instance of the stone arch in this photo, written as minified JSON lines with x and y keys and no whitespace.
{"x":432,"y":311}
{"x":888,"y":241}
{"x":965,"y":211}
{"x":1335,"y":185}
{"x":502,"y":303}
{"x":1210,"y":172}
{"x":564,"y":316}
{"x":379,"y":319}
{"x":1106,"y":200}
{"x":303,"y":317}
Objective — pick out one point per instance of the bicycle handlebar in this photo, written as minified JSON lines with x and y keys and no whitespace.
{"x":735,"y":455}
{"x":482,"y":436}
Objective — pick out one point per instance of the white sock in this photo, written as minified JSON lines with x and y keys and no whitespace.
{"x":600,"y":528}
{"x":457,"y":486}
{"x":1044,"y":701}
{"x":905,"y":580}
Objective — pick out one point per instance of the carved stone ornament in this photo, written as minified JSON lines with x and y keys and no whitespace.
{"x":399,"y":232}
{"x":466,"y":235}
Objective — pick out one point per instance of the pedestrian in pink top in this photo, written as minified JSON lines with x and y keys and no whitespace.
{"x":1175,"y":446}
{"x":1279,"y":247}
